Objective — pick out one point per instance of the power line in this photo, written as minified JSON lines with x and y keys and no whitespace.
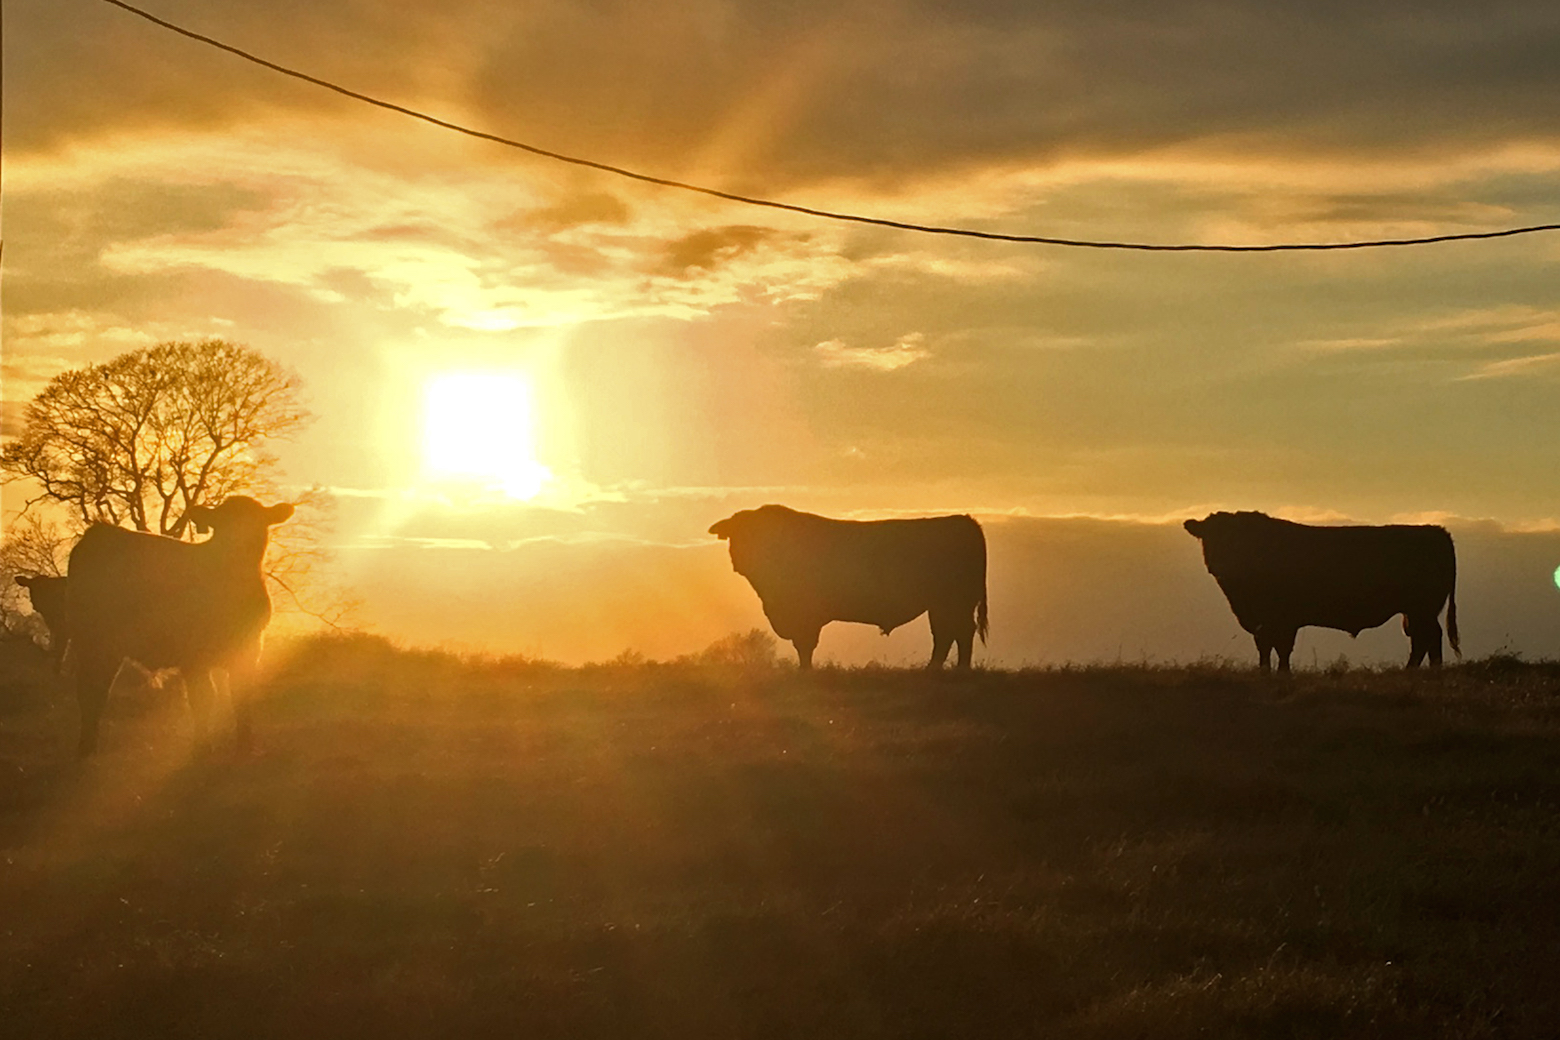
{"x":854,"y":218}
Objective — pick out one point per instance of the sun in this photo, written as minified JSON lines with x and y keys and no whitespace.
{"x":478,"y":429}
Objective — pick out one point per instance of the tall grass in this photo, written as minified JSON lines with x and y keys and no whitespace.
{"x":429,"y":844}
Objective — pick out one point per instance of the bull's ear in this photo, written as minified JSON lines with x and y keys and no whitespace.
{"x":279,"y":513}
{"x":200,"y":519}
{"x":722,"y":528}
{"x":1193,"y":527}
{"x":24,"y":580}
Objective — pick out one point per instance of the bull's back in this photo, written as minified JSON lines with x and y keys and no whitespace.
{"x":149,"y":598}
{"x":1351,"y":578}
{"x":887,"y":572}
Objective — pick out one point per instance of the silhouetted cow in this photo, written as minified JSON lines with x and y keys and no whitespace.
{"x":1280,"y":576}
{"x":48,"y":602}
{"x":809,"y":570}
{"x":170,"y":604}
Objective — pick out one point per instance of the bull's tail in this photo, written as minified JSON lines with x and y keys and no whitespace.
{"x":1451,"y":610}
{"x":980,"y":607}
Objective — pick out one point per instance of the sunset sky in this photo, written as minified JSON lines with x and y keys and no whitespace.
{"x":683,"y":357}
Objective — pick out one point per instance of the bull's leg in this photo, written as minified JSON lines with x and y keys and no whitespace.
{"x":966,"y":644}
{"x":1264,"y":652}
{"x":1284,"y":643}
{"x":948,"y":631}
{"x":941,"y":644}
{"x":94,"y":675}
{"x":1424,"y":635}
{"x":242,"y":673}
{"x":805,"y":643}
{"x":198,"y":692}
{"x":942,"y":641}
{"x":1416,"y":644}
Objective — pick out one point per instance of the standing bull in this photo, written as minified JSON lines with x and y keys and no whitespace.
{"x":1280,"y":576}
{"x":164,"y":603}
{"x":809,"y":570}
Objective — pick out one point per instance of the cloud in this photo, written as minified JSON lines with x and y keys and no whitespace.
{"x":451,"y":249}
{"x":758,"y":95}
{"x":590,"y":207}
{"x":41,"y":345}
{"x":906,"y":351}
{"x":1533,"y":365}
{"x":1349,"y":343}
{"x":711,"y":248}
{"x":24,"y":376}
{"x":1470,"y":332}
{"x":1499,"y":324}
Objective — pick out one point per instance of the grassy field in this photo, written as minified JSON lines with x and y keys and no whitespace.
{"x":429,"y":846}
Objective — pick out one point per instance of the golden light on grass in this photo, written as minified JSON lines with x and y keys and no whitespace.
{"x":479,"y":429}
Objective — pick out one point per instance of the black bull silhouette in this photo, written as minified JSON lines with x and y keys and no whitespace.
{"x":809,"y":570}
{"x":170,"y":604}
{"x":1280,"y":576}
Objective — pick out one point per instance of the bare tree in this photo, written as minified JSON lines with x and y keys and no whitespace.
{"x":297,"y":564}
{"x":137,"y":440}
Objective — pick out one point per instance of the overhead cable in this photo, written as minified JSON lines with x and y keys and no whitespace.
{"x":854,"y":218}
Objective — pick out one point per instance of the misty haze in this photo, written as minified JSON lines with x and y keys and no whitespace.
{"x":735,"y":520}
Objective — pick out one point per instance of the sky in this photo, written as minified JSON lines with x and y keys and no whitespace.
{"x":686,"y":357}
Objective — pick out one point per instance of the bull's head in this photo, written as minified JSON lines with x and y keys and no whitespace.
{"x":1223,"y":525}
{"x":752,"y":534}
{"x":735,"y":529}
{"x":1224,"y":537}
{"x":47,"y":593}
{"x":733,"y":524}
{"x":752,"y":522}
{"x":239,"y":512}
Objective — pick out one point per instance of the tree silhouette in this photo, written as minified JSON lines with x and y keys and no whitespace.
{"x":137,"y":440}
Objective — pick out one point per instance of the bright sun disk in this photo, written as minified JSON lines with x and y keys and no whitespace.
{"x":478,"y":429}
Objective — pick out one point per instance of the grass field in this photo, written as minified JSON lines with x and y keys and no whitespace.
{"x":436,"y":847}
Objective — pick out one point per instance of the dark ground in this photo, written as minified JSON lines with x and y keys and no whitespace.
{"x":425,"y":846}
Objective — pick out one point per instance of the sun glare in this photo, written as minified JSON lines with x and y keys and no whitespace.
{"x":478,"y":429}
